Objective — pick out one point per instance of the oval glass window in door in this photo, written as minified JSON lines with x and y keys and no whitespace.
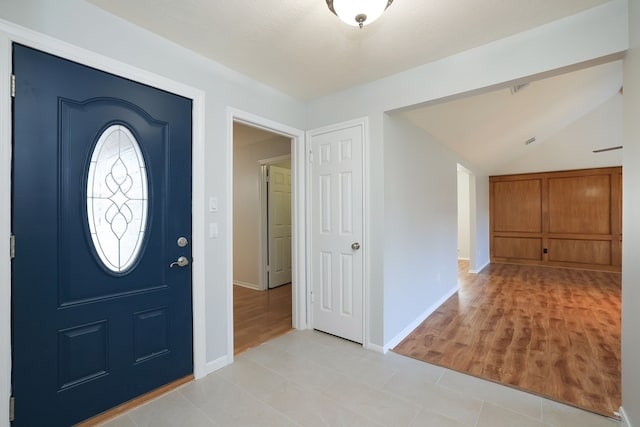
{"x":117,"y":198}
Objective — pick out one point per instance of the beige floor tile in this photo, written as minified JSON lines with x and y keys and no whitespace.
{"x":172,"y":409}
{"x":426,"y":418}
{"x":406,"y":365}
{"x":383,"y":407}
{"x":304,"y":372}
{"x":121,"y":421}
{"x":506,"y":397}
{"x":557,"y":414}
{"x":254,"y":378}
{"x":230,"y":405}
{"x":312,"y":409}
{"x":495,"y":416}
{"x":459,"y":406}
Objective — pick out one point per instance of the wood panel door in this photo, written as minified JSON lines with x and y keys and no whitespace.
{"x":567,"y":218}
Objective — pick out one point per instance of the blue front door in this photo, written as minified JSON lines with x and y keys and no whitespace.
{"x":101,"y":200}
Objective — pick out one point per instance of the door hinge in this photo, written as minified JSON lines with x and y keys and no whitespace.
{"x":12,"y":405}
{"x":13,"y":85}
{"x":12,"y":246}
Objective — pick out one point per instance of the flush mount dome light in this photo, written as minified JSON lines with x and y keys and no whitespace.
{"x":358,"y":12}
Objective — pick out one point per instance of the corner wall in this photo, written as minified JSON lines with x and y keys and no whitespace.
{"x":420,"y":226}
{"x":631,"y":225}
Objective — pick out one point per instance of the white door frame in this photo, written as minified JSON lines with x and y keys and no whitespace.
{"x":299,"y":215}
{"x":10,"y":33}
{"x":263,"y":224}
{"x":363,"y":123}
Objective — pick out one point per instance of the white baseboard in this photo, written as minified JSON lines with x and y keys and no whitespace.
{"x":375,"y":347}
{"x":247,"y":285}
{"x":406,"y":331}
{"x":625,"y":420}
{"x":219,"y":363}
{"x":478,"y":270}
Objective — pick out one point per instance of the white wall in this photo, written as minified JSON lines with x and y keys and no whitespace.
{"x":420,"y":227}
{"x":464,"y":219}
{"x":246,"y":205}
{"x":86,"y":26}
{"x":572,"y":147}
{"x":578,"y":39}
{"x":479,"y":208}
{"x":631,"y":225}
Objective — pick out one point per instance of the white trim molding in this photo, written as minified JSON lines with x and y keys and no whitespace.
{"x":625,"y":420}
{"x":299,"y":218}
{"x":247,"y":285}
{"x":478,"y":270}
{"x":411,"y":326}
{"x":11,"y":33}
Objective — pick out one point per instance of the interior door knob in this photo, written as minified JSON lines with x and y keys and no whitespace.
{"x":355,"y":246}
{"x":180,"y":262}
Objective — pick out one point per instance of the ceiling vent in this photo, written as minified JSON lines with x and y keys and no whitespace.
{"x":517,"y":88}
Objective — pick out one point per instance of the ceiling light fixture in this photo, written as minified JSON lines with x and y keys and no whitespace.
{"x":358,"y":12}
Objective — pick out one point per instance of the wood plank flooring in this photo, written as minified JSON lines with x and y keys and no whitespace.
{"x":259,"y":316}
{"x":550,"y":331}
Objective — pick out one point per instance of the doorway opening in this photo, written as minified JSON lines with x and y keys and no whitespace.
{"x":262,"y":236}
{"x":464,"y":219}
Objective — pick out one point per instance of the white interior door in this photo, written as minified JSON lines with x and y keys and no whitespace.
{"x":337,"y":229}
{"x":279,"y":218}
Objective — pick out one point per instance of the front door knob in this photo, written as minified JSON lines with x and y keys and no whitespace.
{"x":355,"y":246}
{"x":180,"y":262}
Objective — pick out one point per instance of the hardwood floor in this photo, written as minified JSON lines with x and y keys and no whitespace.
{"x":259,"y":316}
{"x":554,"y":332}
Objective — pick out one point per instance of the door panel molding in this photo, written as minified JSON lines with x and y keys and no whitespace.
{"x":262,"y":222}
{"x":363,"y":123}
{"x":299,"y":219}
{"x":11,"y":33}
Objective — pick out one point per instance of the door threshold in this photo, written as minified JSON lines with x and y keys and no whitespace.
{"x":134,"y":403}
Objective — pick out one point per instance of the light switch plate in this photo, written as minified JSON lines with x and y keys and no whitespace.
{"x":213,"y":204}
{"x":213,"y":230}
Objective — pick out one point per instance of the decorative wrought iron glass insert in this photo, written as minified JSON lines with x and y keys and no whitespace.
{"x":117,"y":198}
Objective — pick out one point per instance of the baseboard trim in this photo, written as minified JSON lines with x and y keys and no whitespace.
{"x":478,"y":270}
{"x":462,"y":258}
{"x":219,"y":363}
{"x":406,"y":331}
{"x":375,"y":347}
{"x":247,"y":285}
{"x":624,"y":418}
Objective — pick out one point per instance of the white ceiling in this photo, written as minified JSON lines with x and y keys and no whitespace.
{"x":490,"y":130}
{"x":300,"y":48}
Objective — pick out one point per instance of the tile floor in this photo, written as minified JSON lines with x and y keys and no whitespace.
{"x":308,"y":378}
